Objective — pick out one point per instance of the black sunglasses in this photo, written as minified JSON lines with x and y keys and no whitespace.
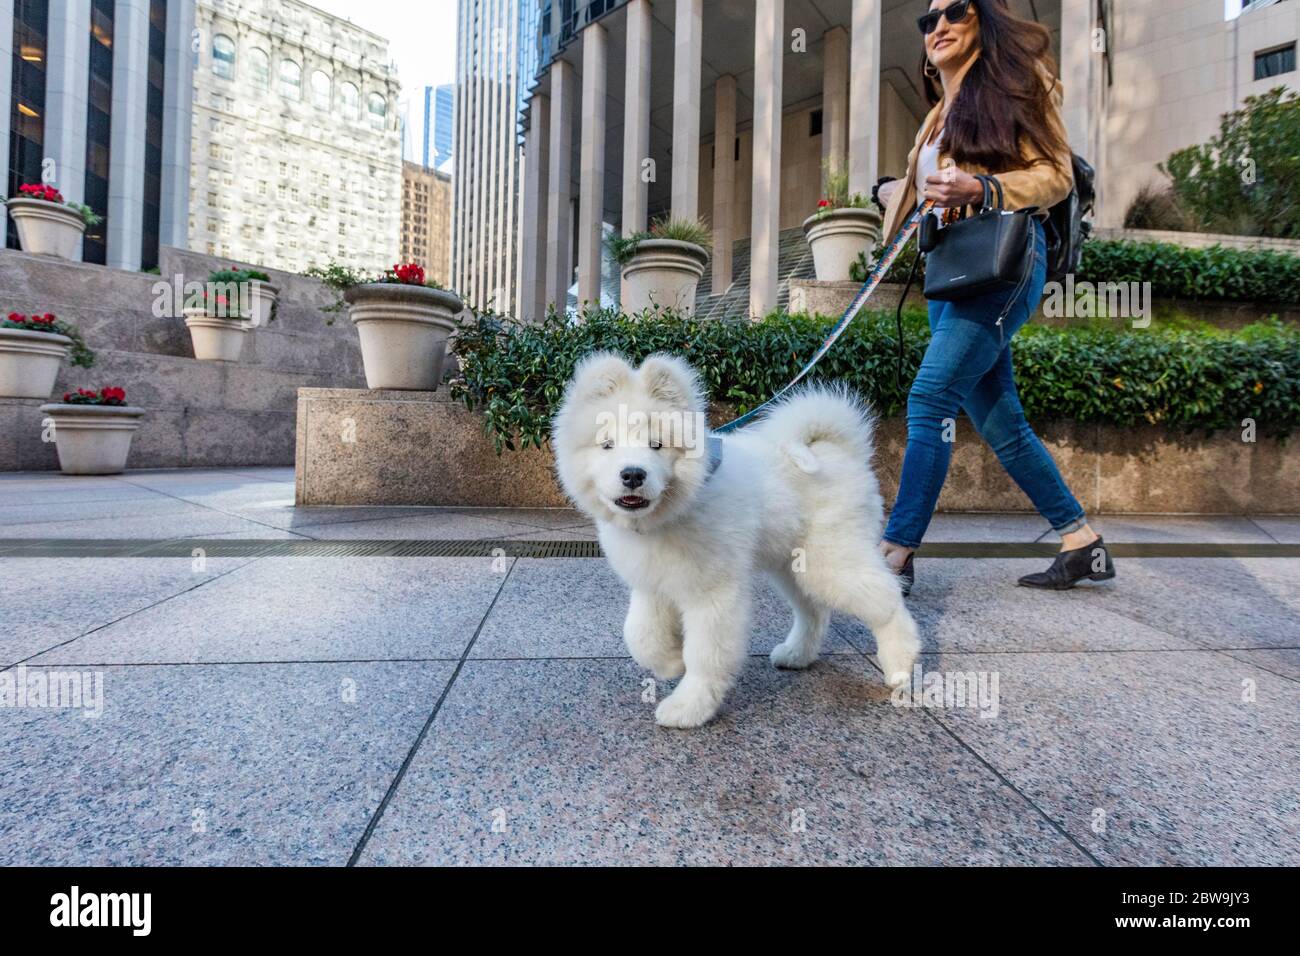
{"x":954,"y":12}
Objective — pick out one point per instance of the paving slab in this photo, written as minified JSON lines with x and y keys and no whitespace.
{"x":1146,"y":759}
{"x":974,"y":604}
{"x":47,"y":601}
{"x":1213,"y":602}
{"x":564,"y":760}
{"x":1137,"y":529}
{"x":170,"y":519}
{"x":987,"y":527}
{"x":1284,"y":662}
{"x":277,"y":765}
{"x":574,"y":607}
{"x":307,"y":609}
{"x":1281,"y":528}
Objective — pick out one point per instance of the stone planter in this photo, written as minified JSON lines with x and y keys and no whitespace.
{"x":262,"y":302}
{"x":838,"y":237}
{"x":93,"y":439}
{"x":29,"y":362}
{"x":47,"y":228}
{"x":404,"y":331}
{"x":663,"y":273}
{"x":215,"y":339}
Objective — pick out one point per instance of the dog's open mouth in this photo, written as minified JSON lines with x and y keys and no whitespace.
{"x":632,"y":502}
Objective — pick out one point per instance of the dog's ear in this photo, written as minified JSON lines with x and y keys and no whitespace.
{"x":600,"y":374}
{"x":673,"y":381}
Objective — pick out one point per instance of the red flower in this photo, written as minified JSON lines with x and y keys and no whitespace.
{"x":41,"y":191}
{"x":823,"y":204}
{"x":112,"y":393}
{"x":67,"y":396}
{"x":410,"y":274}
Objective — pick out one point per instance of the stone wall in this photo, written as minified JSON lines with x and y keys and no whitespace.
{"x":1202,"y":240}
{"x":358,"y":447}
{"x":201,"y":414}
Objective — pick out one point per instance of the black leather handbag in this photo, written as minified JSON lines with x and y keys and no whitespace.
{"x":989,"y":252}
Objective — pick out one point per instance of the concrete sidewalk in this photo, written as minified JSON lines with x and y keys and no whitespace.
{"x":320,"y":709}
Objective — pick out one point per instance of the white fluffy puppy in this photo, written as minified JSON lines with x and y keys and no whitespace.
{"x":792,"y":495}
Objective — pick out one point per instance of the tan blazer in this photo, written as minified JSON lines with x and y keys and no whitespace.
{"x":1043,"y":182}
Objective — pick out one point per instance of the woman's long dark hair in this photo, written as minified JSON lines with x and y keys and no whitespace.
{"x":1003,"y":102}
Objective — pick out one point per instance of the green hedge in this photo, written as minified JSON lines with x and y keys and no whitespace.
{"x":1175,"y":272}
{"x":1188,"y":379}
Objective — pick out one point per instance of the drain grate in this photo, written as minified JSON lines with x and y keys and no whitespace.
{"x":490,"y":548}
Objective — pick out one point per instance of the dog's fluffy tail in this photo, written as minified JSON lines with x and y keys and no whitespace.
{"x":821,"y":414}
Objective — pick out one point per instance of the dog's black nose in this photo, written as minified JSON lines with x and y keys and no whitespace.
{"x":632,"y":477}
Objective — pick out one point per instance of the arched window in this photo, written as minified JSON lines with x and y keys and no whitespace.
{"x":377,"y":107}
{"x":351,"y":100}
{"x":223,"y":56}
{"x":259,"y":68}
{"x":320,"y":90}
{"x":290,"y":80}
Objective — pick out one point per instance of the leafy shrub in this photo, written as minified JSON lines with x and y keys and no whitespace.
{"x":1246,"y":179}
{"x":1190,"y":379}
{"x":1157,"y":208}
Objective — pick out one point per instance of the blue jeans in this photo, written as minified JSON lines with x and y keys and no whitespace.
{"x":967,"y":366}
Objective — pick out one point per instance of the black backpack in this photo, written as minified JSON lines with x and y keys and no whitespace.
{"x":1066,"y":228}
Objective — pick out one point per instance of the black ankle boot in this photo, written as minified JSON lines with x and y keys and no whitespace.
{"x":1092,"y":562}
{"x":907,"y":575}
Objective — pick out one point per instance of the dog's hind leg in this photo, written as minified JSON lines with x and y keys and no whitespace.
{"x":860,"y":583}
{"x":716,"y":636}
{"x":804,"y":642}
{"x":653,"y":634}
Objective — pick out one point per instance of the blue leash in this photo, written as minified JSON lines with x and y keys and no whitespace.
{"x":877,"y":274}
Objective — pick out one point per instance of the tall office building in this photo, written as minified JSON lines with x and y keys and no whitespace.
{"x":428,"y":120}
{"x":297,"y":151}
{"x":487,"y":156}
{"x":95,"y":98}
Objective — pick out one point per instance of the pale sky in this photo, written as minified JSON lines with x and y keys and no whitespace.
{"x":421,"y":35}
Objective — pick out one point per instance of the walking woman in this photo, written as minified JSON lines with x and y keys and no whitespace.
{"x":996,"y":111}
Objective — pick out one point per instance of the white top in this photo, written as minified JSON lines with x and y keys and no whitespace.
{"x":927,"y":164}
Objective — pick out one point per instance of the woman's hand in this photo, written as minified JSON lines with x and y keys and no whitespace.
{"x":952,"y":188}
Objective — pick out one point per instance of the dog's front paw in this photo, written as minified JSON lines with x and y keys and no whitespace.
{"x":664,"y":663}
{"x":896,"y":660}
{"x":688,"y":706}
{"x":792,"y":655}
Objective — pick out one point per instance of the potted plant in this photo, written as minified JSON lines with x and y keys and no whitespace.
{"x":49,"y":225}
{"x":403,"y":323}
{"x":93,"y":430}
{"x":31,"y":349}
{"x":217,"y":328}
{"x":251,"y":288}
{"x":843,"y":227}
{"x":662,"y":267}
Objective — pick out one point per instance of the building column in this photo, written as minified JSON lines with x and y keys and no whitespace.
{"x":835,"y":97}
{"x":724,"y":179}
{"x":532,"y":279}
{"x":591,"y":173}
{"x":864,"y":96}
{"x":67,"y":78}
{"x":1077,"y":57}
{"x":688,"y":52}
{"x":769,"y":50}
{"x":178,"y":98}
{"x":6,"y":99}
{"x":126,"y":149}
{"x":559,"y":233}
{"x":636,"y":117}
